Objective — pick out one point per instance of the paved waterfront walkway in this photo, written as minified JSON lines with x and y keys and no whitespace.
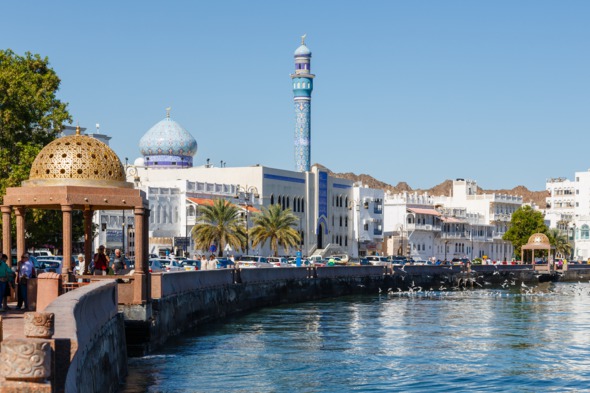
{"x":13,"y":323}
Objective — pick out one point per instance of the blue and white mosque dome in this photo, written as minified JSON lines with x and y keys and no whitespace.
{"x":302,"y":51}
{"x":168,"y":144}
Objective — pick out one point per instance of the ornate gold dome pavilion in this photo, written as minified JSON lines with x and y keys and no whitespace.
{"x":77,"y":160}
{"x":78,"y":172}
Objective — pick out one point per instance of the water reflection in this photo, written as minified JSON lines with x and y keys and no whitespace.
{"x":483,"y":340}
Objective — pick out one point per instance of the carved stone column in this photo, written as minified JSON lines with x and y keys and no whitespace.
{"x":39,"y":324}
{"x":20,"y":231}
{"x":25,"y":360}
{"x":87,"y":239}
{"x":6,"y":240}
{"x":66,"y":268}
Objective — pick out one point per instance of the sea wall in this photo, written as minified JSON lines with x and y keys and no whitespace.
{"x":183,"y":300}
{"x":90,"y":348}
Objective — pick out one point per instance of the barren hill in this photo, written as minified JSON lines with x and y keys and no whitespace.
{"x":444,"y":188}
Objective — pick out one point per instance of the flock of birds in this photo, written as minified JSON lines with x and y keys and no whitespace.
{"x":511,"y":286}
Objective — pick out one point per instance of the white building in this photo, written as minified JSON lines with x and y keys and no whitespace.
{"x":464,"y":225}
{"x":568,"y":209}
{"x":368,"y":226}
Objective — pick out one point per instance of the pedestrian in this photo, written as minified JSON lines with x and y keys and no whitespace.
{"x":101,"y":262}
{"x":5,"y":278}
{"x":81,"y":264}
{"x":25,"y":271}
{"x":204,"y":263}
{"x":212,"y":262}
{"x":118,"y":262}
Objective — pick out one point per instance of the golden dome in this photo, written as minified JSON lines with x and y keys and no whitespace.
{"x":538,"y":238}
{"x":77,"y":160}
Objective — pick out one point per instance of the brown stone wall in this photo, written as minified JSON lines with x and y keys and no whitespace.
{"x":91,"y":332}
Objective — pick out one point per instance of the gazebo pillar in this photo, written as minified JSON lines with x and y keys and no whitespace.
{"x":20,"y":231}
{"x":141,"y":283}
{"x":6,"y":240}
{"x":66,"y":267}
{"x":87,"y":238}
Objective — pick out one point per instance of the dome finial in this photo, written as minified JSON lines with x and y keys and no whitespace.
{"x":78,"y":128}
{"x":303,"y":39}
{"x":168,"y":112}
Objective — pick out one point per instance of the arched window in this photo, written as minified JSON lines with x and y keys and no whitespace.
{"x":346,"y":203}
{"x":158,"y":214}
{"x":280,"y":200}
{"x":288,"y":202}
{"x":272,"y":199}
{"x":340,"y":220}
{"x":302,"y":205}
{"x":585,"y":232}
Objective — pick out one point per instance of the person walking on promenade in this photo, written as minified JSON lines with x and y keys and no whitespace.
{"x":204,"y":263}
{"x":101,"y":262}
{"x":212,"y":262}
{"x":81,"y":264}
{"x":5,"y":279}
{"x":118,"y":262}
{"x":25,"y":271}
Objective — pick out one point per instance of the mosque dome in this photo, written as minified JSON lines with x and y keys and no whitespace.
{"x":168,"y":144}
{"x":302,"y":51}
{"x":77,"y":160}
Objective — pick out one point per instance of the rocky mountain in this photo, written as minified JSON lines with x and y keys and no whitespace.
{"x":444,"y":188}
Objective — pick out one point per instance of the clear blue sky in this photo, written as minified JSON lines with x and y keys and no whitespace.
{"x":416,"y":91}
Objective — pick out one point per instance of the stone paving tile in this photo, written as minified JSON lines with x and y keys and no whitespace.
{"x":13,"y":322}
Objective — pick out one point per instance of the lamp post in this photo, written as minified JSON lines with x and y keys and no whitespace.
{"x":123,"y":234}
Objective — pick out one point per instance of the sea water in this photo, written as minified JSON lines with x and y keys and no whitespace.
{"x":517,"y":339}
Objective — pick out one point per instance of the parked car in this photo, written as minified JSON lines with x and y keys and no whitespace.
{"x":343,"y":258}
{"x":48,"y":265}
{"x":171,"y":265}
{"x":377,"y":260}
{"x":420,"y":262}
{"x":225,"y":263}
{"x":191,"y":264}
{"x":247,"y":261}
{"x":278,"y":261}
{"x":155,"y":266}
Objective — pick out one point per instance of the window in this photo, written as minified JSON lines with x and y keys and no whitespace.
{"x":585,"y":232}
{"x":272,"y":199}
{"x":366,"y":227}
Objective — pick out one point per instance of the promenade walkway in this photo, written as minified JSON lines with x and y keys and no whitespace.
{"x":13,"y":323}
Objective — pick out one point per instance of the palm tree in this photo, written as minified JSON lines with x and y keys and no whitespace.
{"x":220,"y":225}
{"x":563,"y":247}
{"x":276,"y":225}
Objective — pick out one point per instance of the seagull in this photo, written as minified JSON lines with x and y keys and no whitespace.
{"x":496,"y":273}
{"x":361,"y":286}
{"x":380,"y":290}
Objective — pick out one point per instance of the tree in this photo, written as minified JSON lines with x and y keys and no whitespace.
{"x":30,"y":117}
{"x":524,"y":223}
{"x":559,"y":240}
{"x":30,"y":114}
{"x":276,"y":225}
{"x":221,"y":225}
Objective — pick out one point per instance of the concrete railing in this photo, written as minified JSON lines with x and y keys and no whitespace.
{"x":349,"y":271}
{"x":90,"y":339}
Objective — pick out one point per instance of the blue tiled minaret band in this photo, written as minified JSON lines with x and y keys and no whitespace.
{"x":302,"y":87}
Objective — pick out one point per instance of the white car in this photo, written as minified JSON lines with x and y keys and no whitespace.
{"x":278,"y":261}
{"x":377,"y":260}
{"x":248,"y":261}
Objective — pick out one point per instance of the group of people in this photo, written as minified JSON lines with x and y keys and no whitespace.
{"x":101,"y":264}
{"x":16,"y":280}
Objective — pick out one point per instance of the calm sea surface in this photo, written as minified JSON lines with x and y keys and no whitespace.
{"x":485,"y":340}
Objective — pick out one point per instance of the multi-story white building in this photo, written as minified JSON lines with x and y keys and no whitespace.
{"x":368,"y":226}
{"x":568,"y":209}
{"x":464,"y":225}
{"x":560,"y":203}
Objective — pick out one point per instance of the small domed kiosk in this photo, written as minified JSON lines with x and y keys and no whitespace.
{"x":78,"y":172}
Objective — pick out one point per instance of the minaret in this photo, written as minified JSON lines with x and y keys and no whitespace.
{"x":302,"y":87}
